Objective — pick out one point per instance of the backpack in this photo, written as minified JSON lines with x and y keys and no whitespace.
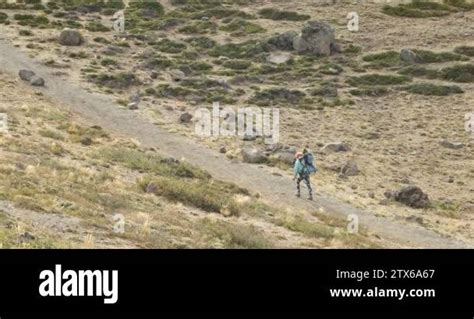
{"x":308,"y":160}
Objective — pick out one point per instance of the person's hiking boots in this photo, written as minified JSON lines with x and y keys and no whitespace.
{"x":310,"y":197}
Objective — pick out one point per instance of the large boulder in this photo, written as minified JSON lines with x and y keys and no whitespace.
{"x":411,"y":196}
{"x":70,"y":37}
{"x":283,"y":41}
{"x":316,"y":38}
{"x":284,"y":157}
{"x":253,"y":155}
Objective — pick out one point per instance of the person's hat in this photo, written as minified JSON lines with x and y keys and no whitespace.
{"x":299,"y":155}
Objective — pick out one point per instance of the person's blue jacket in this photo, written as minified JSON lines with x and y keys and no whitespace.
{"x":300,"y":168}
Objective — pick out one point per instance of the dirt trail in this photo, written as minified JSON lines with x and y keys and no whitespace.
{"x":98,"y":109}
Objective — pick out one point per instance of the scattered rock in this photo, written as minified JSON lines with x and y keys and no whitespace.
{"x":316,"y":38}
{"x":37,"y":81}
{"x":27,"y":237}
{"x":335,"y":147}
{"x":170,"y":160}
{"x":151,"y":188}
{"x":454,"y":146}
{"x":132,"y":106}
{"x":86,"y":141}
{"x":372,"y":136}
{"x":372,"y":195}
{"x":154,"y":75}
{"x":249,"y":137}
{"x":253,"y":155}
{"x":26,"y":75}
{"x":223,"y":150}
{"x":405,"y":180}
{"x":411,"y":196}
{"x":416,"y":219}
{"x":177,"y":75}
{"x":408,"y":56}
{"x":283,"y":41}
{"x":134,"y":101}
{"x":185,"y":117}
{"x":71,"y":38}
{"x":279,"y":58}
{"x":350,"y":168}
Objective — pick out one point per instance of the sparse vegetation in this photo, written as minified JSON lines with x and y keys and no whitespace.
{"x":458,"y":73}
{"x":275,"y":14}
{"x":375,"y":91}
{"x":432,"y":89}
{"x":384,"y":59}
{"x":114,"y":81}
{"x":278,"y":96}
{"x":3,"y":18}
{"x":377,"y":79}
{"x":240,"y":27}
{"x":465,"y":50}
{"x":432,"y":57}
{"x":170,"y":46}
{"x":96,"y":27}
{"x":418,"y":71}
{"x":238,"y":50}
{"x":418,"y":9}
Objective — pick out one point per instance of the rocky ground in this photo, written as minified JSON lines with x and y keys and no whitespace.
{"x":389,"y":99}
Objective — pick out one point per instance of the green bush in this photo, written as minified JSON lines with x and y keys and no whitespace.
{"x":377,"y":79}
{"x":384,"y":59}
{"x":114,"y":81}
{"x":201,"y":42}
{"x":432,"y":57}
{"x":432,"y":89}
{"x":375,"y":91}
{"x":3,"y":18}
{"x":465,"y":50}
{"x":237,"y":64}
{"x":200,"y":27}
{"x":459,"y":73}
{"x":96,"y":27}
{"x":150,"y":163}
{"x":274,"y":14}
{"x":169,"y":46}
{"x":417,"y":9}
{"x":419,"y":71}
{"x":243,"y":50}
{"x":460,"y":4}
{"x":31,"y":20}
{"x":242,"y":26}
{"x":278,"y":96}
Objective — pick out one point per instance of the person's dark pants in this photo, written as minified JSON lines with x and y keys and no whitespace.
{"x":304,"y":178}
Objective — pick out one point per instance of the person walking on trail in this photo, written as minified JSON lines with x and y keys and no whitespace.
{"x":302,"y":172}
